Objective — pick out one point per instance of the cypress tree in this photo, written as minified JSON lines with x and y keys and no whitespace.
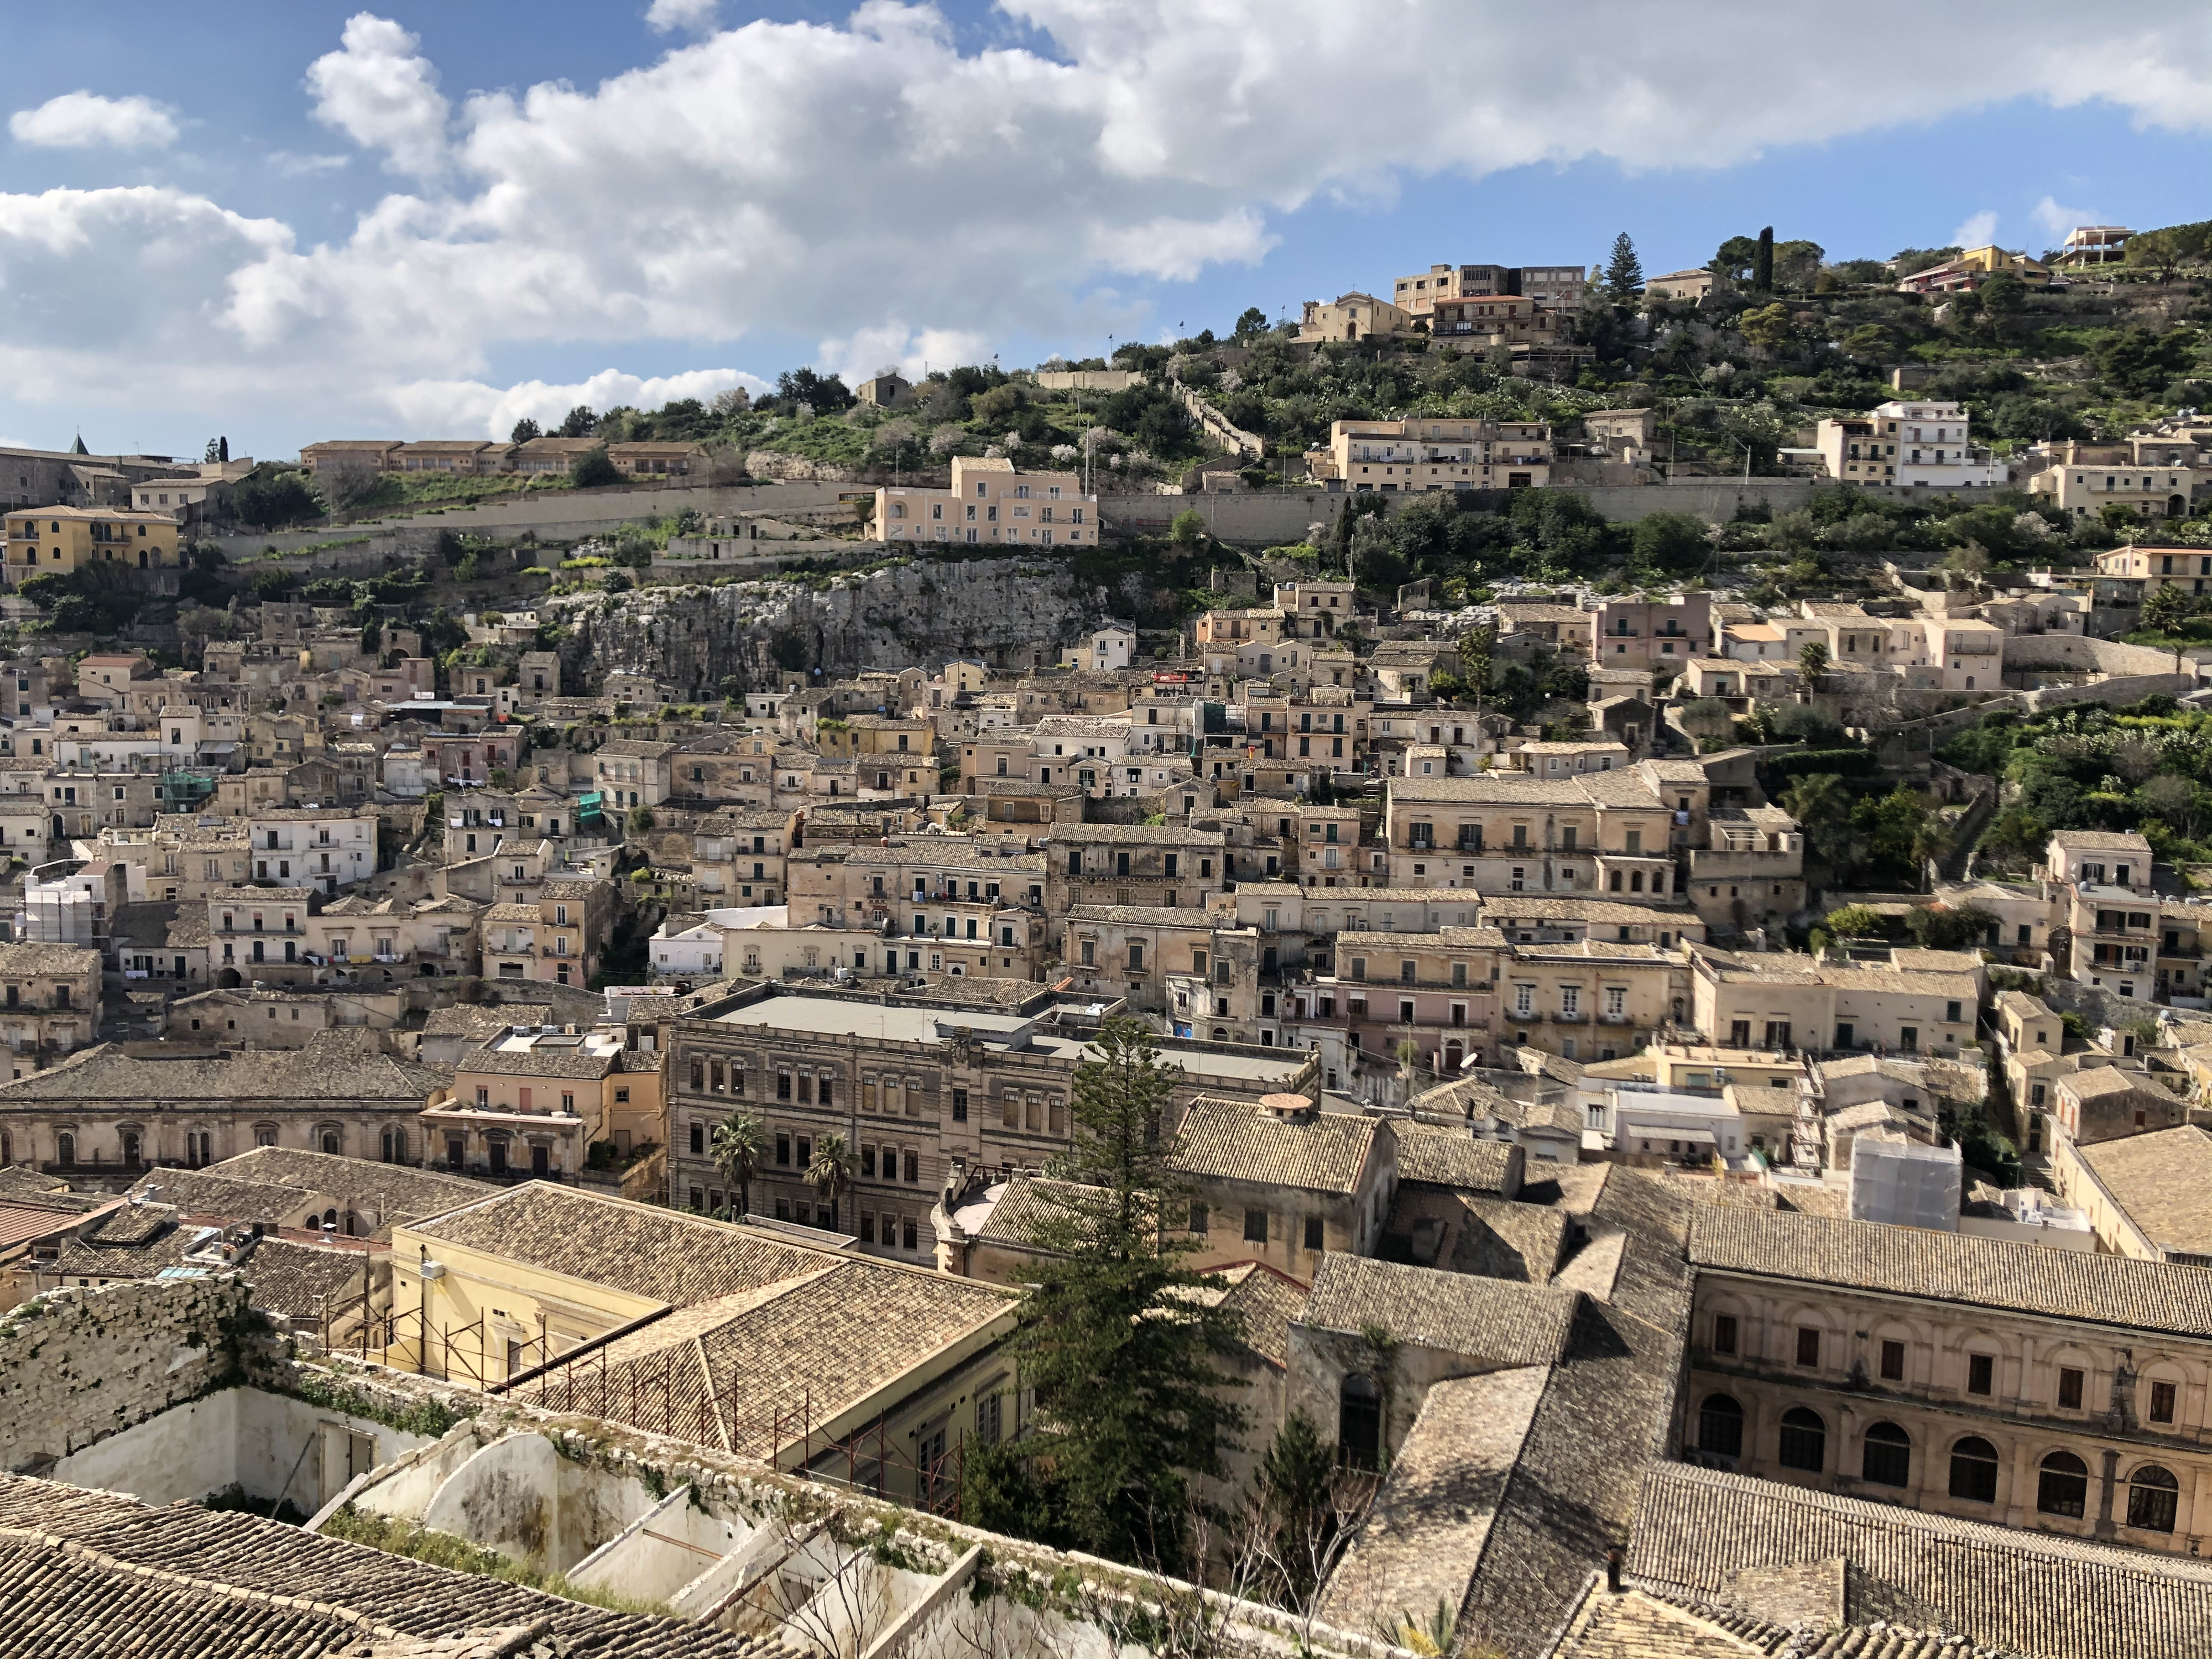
{"x":1115,"y":1340}
{"x":1762,"y":262}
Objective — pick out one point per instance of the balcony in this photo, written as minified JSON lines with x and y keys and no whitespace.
{"x":1616,"y":1019}
{"x":1570,"y":1017}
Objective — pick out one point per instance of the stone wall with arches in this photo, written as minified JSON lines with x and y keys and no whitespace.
{"x":1984,"y":1413}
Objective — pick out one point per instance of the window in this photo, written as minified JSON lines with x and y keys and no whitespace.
{"x":1808,"y":1347}
{"x":2062,"y":1486}
{"x":2154,"y":1498}
{"x":959,"y":1105}
{"x":783,"y":1150}
{"x":1200,"y":1218}
{"x":1312,"y":1232}
{"x":1804,"y":1443}
{"x":1892,"y":1362}
{"x":2069,"y":1389}
{"x":1720,"y":1427}
{"x":1725,"y":1338}
{"x":1974,"y":1470}
{"x":1255,"y":1226}
{"x":1981,"y":1373}
{"x":2161,"y":1402}
{"x":1359,"y":1422}
{"x":1886,"y":1459}
{"x":698,"y":1141}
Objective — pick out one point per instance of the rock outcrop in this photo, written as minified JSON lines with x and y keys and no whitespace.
{"x":1009,"y":611}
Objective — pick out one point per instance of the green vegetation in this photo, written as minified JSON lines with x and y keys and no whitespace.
{"x":442,"y":1549}
{"x":2146,"y":768}
{"x":91,"y":600}
{"x":1117,"y":1340}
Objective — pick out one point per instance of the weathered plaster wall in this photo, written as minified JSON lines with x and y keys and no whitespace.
{"x":271,"y":1445}
{"x":78,"y":1365}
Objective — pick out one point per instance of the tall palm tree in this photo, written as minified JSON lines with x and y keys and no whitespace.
{"x":739,"y":1147}
{"x":831,"y":1172}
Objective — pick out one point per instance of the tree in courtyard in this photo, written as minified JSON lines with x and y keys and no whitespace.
{"x":1118,"y":1340}
{"x":1624,"y":271}
{"x":739,"y":1146}
{"x":831,"y":1172}
{"x":1813,"y":659}
{"x":1822,"y":807}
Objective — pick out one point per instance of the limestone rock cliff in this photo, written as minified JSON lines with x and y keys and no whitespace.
{"x":1009,"y":611}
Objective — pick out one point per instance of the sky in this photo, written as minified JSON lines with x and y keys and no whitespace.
{"x":412,"y":221}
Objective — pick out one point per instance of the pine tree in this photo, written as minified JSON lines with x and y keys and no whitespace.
{"x":1623,"y":272}
{"x":1118,"y":1346}
{"x":1762,"y":262}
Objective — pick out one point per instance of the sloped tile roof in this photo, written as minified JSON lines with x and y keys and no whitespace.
{"x":1488,"y":1319}
{"x":2105,"y":1290}
{"x":2062,"y":1598}
{"x":1235,"y":1140}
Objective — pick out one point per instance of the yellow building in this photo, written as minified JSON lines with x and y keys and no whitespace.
{"x":775,"y":1345}
{"x":55,"y":539}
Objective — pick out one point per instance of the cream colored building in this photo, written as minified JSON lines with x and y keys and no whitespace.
{"x":992,"y":502}
{"x":1917,"y":1001}
{"x":2083,"y":479}
{"x":1350,"y":318}
{"x":2013,"y":1383}
{"x":1434,"y":453}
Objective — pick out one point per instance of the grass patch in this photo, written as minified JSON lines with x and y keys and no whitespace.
{"x":405,"y":489}
{"x":2195,"y":631}
{"x":442,"y":1549}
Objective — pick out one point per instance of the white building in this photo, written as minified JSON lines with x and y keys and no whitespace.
{"x":1907,"y":443}
{"x":1111,"y":648}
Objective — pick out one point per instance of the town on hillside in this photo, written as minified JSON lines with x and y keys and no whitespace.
{"x":1515,"y":968}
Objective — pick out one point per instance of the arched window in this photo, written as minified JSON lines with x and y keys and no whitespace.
{"x":1720,"y":1426}
{"x":65,"y":1149}
{"x":1974,"y":1470}
{"x":2153,"y":1497}
{"x":2063,"y":1487}
{"x":1804,"y":1440}
{"x":330,"y":1142}
{"x":1886,"y":1460}
{"x":331,"y":1217}
{"x":1359,"y":1422}
{"x":131,"y":1146}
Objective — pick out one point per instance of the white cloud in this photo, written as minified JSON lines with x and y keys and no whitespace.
{"x":873,"y":187}
{"x":85,"y":120}
{"x":695,"y":16}
{"x":293,"y":165}
{"x":1975,"y":230}
{"x":2054,"y":220}
{"x":908,"y":351}
{"x":382,"y":93}
{"x":465,"y":407}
